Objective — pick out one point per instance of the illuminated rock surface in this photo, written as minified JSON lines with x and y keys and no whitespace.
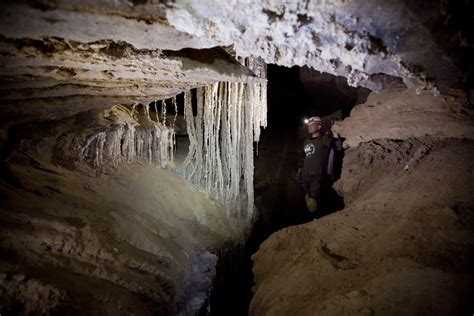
{"x":89,"y":220}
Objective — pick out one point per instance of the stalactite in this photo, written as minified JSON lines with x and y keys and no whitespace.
{"x":222,"y":135}
{"x":163,"y":111}
{"x":173,"y":125}
{"x":133,"y":135}
{"x":220,"y":158}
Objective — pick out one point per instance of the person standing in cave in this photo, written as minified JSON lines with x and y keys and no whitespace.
{"x":317,"y":162}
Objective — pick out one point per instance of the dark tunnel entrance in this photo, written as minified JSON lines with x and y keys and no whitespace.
{"x":293,"y":95}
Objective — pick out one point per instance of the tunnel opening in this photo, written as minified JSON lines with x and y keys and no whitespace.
{"x":293,"y":94}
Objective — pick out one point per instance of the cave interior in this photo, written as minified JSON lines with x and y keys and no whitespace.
{"x":149,"y":156}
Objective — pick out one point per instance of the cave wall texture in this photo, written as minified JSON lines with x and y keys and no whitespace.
{"x":121,"y":235}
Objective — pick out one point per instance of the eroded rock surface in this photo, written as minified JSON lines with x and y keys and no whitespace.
{"x":123,"y":49}
{"x":370,"y":43}
{"x":55,"y":78}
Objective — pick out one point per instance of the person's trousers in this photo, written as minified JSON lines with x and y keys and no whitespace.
{"x":312,"y":185}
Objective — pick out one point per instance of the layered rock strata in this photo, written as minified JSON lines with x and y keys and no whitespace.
{"x":53,"y":78}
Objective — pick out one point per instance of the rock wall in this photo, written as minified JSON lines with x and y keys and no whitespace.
{"x":88,"y":216}
{"x":116,"y":237}
{"x":403,"y":242}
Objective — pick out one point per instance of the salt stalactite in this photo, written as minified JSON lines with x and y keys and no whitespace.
{"x":220,"y":159}
{"x":132,"y":135}
{"x":175,"y":106}
{"x":173,"y":125}
{"x":163,"y":111}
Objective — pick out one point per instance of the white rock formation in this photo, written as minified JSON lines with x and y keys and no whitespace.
{"x":369,"y":43}
{"x":220,"y":159}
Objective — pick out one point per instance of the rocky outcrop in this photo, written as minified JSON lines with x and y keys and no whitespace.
{"x":369,"y":43}
{"x":403,"y":242}
{"x":83,"y":193}
{"x":60,"y":58}
{"x":141,"y":24}
{"x":399,"y":114}
{"x":54,"y":78}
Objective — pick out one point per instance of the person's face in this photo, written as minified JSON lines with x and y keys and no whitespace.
{"x":313,"y":128}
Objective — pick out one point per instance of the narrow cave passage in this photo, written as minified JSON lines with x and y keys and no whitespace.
{"x":293,"y":95}
{"x":114,"y":202}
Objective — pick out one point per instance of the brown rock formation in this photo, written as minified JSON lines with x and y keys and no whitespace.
{"x":403,"y":243}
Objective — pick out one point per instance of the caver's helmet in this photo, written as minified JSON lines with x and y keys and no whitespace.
{"x":314,"y":120}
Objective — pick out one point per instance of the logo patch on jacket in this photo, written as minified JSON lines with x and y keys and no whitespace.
{"x":309,"y":149}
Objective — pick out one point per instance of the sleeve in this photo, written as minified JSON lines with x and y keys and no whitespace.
{"x":330,"y":162}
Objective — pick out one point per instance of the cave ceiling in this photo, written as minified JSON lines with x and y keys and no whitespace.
{"x":78,"y":55}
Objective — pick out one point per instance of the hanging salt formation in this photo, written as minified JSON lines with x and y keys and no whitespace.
{"x":222,"y":134}
{"x":132,"y":134}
